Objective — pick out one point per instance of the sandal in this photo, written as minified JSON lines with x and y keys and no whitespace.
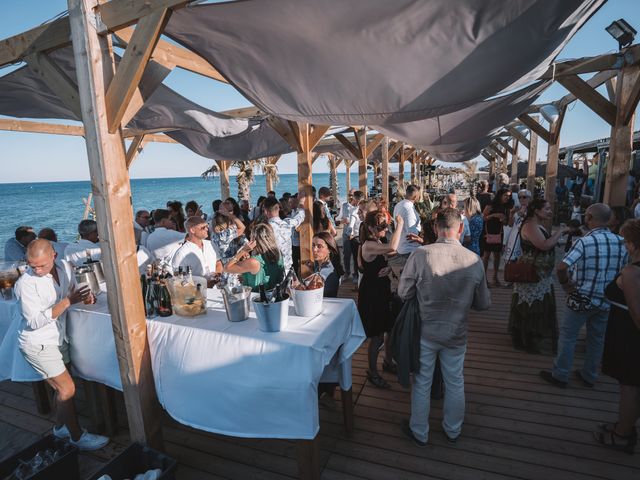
{"x":610,"y":439}
{"x":377,"y":380}
{"x":389,"y":366}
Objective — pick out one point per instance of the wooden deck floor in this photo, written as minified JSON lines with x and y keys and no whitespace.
{"x":516,"y":426}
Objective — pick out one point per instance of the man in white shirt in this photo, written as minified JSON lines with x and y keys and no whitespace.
{"x":346,"y":210}
{"x":45,"y":292}
{"x":77,"y":253}
{"x":282,"y":227}
{"x":412,"y":226}
{"x":196,"y":252}
{"x":165,"y":240}
{"x":140,"y":227}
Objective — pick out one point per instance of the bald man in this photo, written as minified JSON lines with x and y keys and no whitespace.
{"x":45,"y":292}
{"x":592,"y":263}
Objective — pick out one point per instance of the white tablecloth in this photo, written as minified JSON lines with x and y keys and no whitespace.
{"x":231,"y":378}
{"x":13,"y":366}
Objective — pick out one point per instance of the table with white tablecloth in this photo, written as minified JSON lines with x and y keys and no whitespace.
{"x":230,"y":378}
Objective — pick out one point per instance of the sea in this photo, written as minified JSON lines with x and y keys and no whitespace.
{"x":59,"y":205}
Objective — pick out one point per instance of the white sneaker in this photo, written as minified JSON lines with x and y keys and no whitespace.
{"x":89,"y":441}
{"x":62,"y":432}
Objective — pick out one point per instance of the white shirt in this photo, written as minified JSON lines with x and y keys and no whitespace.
{"x":163,"y":243}
{"x":345,"y":213}
{"x":409,"y":214}
{"x":36,"y":298}
{"x":76,"y":253}
{"x":201,"y":260}
{"x":141,"y":233}
{"x":353,"y":227}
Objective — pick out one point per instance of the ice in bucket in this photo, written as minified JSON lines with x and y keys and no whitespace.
{"x":272,"y":317}
{"x":308,"y":295}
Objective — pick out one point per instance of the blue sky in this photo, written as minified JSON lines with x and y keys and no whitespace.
{"x":36,"y":157}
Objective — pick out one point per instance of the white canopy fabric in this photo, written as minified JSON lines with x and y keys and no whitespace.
{"x":24,"y":94}
{"x":373,"y":62}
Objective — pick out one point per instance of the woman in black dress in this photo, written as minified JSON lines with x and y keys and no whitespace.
{"x":374,"y":292}
{"x":621,"y":357}
{"x":496,"y":216}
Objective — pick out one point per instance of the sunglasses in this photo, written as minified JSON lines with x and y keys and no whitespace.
{"x":522,"y":196}
{"x":381,"y":227}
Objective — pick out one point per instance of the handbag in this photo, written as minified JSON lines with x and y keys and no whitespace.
{"x":517,"y":271}
{"x":492,"y":238}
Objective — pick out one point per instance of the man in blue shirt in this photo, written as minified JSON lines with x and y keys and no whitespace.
{"x":15,"y":249}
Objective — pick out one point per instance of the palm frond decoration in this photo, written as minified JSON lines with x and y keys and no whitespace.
{"x":211,"y":172}
{"x":333,"y":177}
{"x":270,"y":170}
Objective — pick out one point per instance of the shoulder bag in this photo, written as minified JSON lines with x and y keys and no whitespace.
{"x":518,"y":271}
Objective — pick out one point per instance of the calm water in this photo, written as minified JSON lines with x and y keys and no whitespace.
{"x":58,"y":205}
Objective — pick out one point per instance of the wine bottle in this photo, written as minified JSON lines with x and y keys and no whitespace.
{"x":164,"y":301}
{"x":286,"y":283}
{"x":276,"y":297}
{"x":263,"y":294}
{"x":150,"y":299}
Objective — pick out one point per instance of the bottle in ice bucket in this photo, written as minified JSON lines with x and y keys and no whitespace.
{"x":150,"y":297}
{"x":164,"y":300}
{"x":263,"y":294}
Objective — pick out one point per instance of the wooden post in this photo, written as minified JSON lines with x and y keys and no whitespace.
{"x":308,"y":459}
{"x":304,"y":185}
{"x":225,"y":189}
{"x":112,"y":199}
{"x":401,"y":168}
{"x":514,"y":161}
{"x":361,"y":140}
{"x":347,"y":166}
{"x":621,"y":143}
{"x":551,"y":175}
{"x":333,"y":166}
{"x":533,"y":158}
{"x":413,"y":169}
{"x":385,"y":169}
{"x":492,"y":168}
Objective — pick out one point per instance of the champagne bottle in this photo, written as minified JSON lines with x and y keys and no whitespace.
{"x":150,"y":299}
{"x":263,"y":294}
{"x":286,"y":283}
{"x":164,"y":301}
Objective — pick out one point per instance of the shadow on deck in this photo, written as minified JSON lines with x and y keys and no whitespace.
{"x":516,"y":426}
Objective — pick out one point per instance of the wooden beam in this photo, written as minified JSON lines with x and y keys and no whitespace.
{"x":316,"y":134}
{"x":134,"y":148}
{"x":553,"y":149}
{"x":518,"y":136}
{"x":394,"y":149}
{"x":621,"y":142}
{"x":487,"y":156}
{"x":385,"y":170}
{"x":535,"y":127}
{"x":284,"y":130}
{"x":333,"y":167}
{"x":492,"y":168}
{"x":506,"y":145}
{"x":594,"y":82}
{"x":305,"y":182}
{"x":514,"y":161}
{"x":347,"y":169}
{"x":171,"y":56}
{"x":350,"y":146}
{"x":361,"y":139}
{"x":131,"y":67}
{"x":112,"y":200}
{"x":532,"y":160}
{"x":117,"y":14}
{"x":611,"y":89}
{"x":223,"y":167}
{"x":57,"y":80}
{"x":590,"y":97}
{"x":315,"y":157}
{"x":401,"y":159}
{"x":374,"y":143}
{"x":598,"y":63}
{"x":44,"y":37}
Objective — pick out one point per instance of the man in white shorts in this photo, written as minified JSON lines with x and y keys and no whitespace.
{"x":45,"y":292}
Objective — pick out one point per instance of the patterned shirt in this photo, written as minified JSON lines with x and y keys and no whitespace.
{"x":594,"y":260}
{"x":283,"y":231}
{"x":221,"y":242}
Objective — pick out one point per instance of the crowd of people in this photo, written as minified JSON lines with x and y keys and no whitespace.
{"x":434,"y":252}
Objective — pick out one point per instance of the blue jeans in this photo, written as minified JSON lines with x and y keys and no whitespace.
{"x":347,"y":254}
{"x":452,"y":363}
{"x":596,"y":321}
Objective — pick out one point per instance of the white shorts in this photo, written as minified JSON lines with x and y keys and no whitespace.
{"x":48,"y":360}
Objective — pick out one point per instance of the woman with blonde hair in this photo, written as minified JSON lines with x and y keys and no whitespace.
{"x":259,"y":261}
{"x":476,"y":223}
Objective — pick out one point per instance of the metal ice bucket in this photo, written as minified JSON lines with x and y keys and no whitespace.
{"x":85,"y":275}
{"x":237,"y":303}
{"x":272,"y":317}
{"x":96,"y":267}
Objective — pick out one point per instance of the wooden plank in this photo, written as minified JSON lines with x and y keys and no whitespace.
{"x":347,"y":143}
{"x":361,"y":139}
{"x":117,"y":14}
{"x":401,"y":160}
{"x":594,"y":82}
{"x":551,"y":174}
{"x":395,"y":148}
{"x":134,"y":148}
{"x":514,"y":161}
{"x":333,"y":167}
{"x":305,"y":181}
{"x":532,"y":159}
{"x":385,"y":170}
{"x":506,"y":145}
{"x":57,"y":80}
{"x":51,"y":35}
{"x":598,"y":63}
{"x":129,"y":72}
{"x":316,"y":134}
{"x":517,"y":135}
{"x":611,"y":89}
{"x":590,"y":97}
{"x":535,"y":127}
{"x":308,"y":459}
{"x":347,"y":168}
{"x":284,"y":130}
{"x":223,"y":167}
{"x":171,"y":56}
{"x":621,"y":143}
{"x":112,"y":199}
{"x":374,"y":143}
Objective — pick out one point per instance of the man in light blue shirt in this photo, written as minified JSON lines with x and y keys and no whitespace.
{"x":15,"y":248}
